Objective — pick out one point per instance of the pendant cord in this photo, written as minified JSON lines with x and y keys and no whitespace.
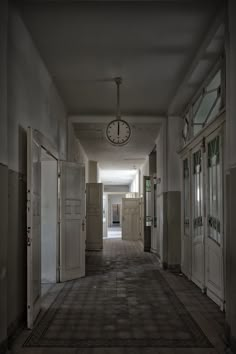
{"x":118,"y":81}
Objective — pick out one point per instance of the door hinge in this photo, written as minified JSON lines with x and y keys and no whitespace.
{"x":29,"y":240}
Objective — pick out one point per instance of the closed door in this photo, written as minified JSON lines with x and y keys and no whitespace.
{"x":94,"y":216}
{"x":214,"y":213}
{"x":186,"y":261}
{"x":130,"y":219}
{"x":72,"y":221}
{"x":33,"y":228}
{"x":198,"y":250}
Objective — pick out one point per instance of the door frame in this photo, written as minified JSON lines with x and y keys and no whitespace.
{"x":217,"y":126}
{"x":42,"y":142}
{"x":218,"y":132}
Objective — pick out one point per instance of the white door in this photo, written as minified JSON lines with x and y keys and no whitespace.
{"x":105,"y":215}
{"x":130,"y":219}
{"x":198,"y":265}
{"x":33,"y":228}
{"x":94,"y":216}
{"x":72,"y":220}
{"x":214,"y":212}
{"x":186,"y":261}
{"x":154,"y":239}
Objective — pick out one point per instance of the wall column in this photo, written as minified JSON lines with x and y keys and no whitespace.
{"x":92,"y":171}
{"x":3,"y":175}
{"x":168,"y":193}
{"x":230,"y":230}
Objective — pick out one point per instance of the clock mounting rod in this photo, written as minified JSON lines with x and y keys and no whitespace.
{"x":118,"y":81}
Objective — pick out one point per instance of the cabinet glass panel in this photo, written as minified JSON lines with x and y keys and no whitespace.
{"x":197,"y":194}
{"x":214,"y":190}
{"x":186,"y":195}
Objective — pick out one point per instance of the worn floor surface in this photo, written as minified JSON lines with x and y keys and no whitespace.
{"x":125,"y":304}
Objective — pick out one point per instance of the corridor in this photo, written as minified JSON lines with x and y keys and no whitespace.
{"x":125,"y":304}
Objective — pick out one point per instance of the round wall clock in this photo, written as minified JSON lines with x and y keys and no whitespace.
{"x":118,"y":132}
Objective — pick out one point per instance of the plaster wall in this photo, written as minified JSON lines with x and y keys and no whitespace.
{"x":116,"y":188}
{"x":144,"y":171}
{"x":32,"y":101}
{"x":76,"y":151}
{"x":135,"y":185}
{"x":168,"y":192}
{"x":3,"y":174}
{"x":93,"y":171}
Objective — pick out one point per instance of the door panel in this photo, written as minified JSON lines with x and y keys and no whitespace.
{"x":33,"y":228}
{"x":94,"y":217}
{"x":198,"y":266}
{"x":186,"y":262}
{"x":214,"y":212}
{"x":72,"y":223}
{"x":130,"y":219}
{"x":155,"y":246}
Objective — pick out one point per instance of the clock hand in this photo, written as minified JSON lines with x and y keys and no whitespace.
{"x":118,"y":128}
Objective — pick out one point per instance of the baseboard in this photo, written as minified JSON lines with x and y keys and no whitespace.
{"x":3,"y":347}
{"x":175,"y":268}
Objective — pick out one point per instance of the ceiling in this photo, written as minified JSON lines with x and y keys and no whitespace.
{"x":150,"y":44}
{"x":97,"y":147}
{"x":162,"y":49}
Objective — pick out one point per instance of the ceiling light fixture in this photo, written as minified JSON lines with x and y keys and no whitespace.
{"x":118,"y":131}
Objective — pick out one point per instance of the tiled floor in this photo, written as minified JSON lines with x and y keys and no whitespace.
{"x":125,"y":304}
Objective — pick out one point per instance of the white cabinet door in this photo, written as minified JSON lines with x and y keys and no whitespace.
{"x":94,"y":216}
{"x":131,"y":219}
{"x":72,"y":220}
{"x":214,"y":214}
{"x":33,"y":228}
{"x":198,"y":250}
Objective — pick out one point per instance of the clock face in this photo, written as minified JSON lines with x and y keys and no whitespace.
{"x":118,"y":132}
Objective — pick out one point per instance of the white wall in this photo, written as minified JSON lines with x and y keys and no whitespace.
{"x":76,"y":151}
{"x":3,"y":174}
{"x":32,"y":101}
{"x":92,"y":171}
{"x":173,"y":161}
{"x":135,"y":186}
{"x":144,"y":171}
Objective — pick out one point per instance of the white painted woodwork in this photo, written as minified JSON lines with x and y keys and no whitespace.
{"x":94,"y":216}
{"x":154,"y":239}
{"x":33,"y":228}
{"x":186,"y":254}
{"x":214,"y":205}
{"x":49,"y":223}
{"x":105,"y":215}
{"x":203,"y":247}
{"x":198,"y":235}
{"x":72,"y":220}
{"x":131,"y":219}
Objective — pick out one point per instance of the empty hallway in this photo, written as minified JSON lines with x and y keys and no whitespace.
{"x":125,"y":304}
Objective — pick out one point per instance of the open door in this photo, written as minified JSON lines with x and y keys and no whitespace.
{"x":94,"y":222}
{"x":72,"y":221}
{"x":33,"y":228}
{"x":130,"y":219}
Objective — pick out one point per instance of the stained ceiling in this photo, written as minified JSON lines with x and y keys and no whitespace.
{"x":162,"y":50}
